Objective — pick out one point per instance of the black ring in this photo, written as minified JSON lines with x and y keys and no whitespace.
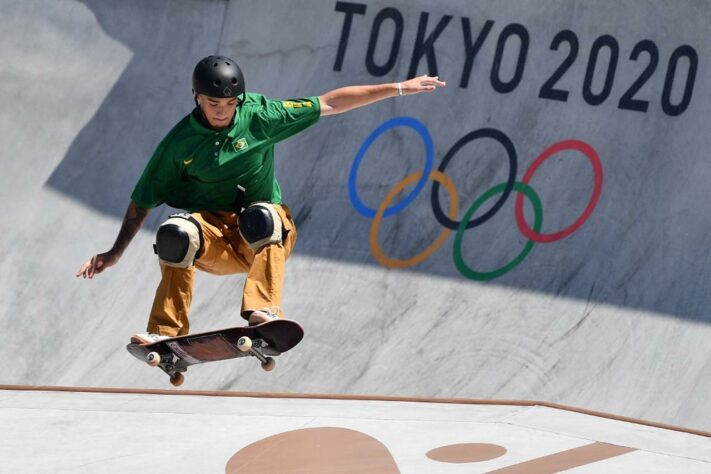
{"x":513,"y":163}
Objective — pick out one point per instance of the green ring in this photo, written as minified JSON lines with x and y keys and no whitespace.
{"x":537,"y":223}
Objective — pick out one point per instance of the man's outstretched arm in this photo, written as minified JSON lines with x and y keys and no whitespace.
{"x":132,"y":222}
{"x":348,"y":98}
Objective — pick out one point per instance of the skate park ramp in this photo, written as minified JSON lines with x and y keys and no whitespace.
{"x":258,"y":433}
{"x":572,"y":137}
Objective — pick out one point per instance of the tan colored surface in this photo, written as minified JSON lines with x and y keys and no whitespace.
{"x":566,"y":460}
{"x":468,"y":452}
{"x":314,"y":451}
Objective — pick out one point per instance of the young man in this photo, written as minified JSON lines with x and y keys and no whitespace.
{"x":217,"y":164}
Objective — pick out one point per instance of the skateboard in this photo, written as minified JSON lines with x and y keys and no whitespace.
{"x":176,"y":354}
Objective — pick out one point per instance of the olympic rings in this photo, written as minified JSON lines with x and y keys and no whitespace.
{"x":375,"y":227}
{"x":420,"y":178}
{"x":590,"y":153}
{"x":537,"y":222}
{"x":513,"y":163}
{"x":421,"y":129}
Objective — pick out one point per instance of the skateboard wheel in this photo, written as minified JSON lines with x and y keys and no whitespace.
{"x":153,"y":359}
{"x":244,"y":344}
{"x":269,"y":364}
{"x":177,"y":379}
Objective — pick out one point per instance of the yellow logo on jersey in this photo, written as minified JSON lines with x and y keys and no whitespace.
{"x":290,"y":104}
{"x":240,"y":144}
{"x":188,"y":161}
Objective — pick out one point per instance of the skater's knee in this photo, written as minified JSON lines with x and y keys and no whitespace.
{"x":179,"y":241}
{"x":260,"y":225}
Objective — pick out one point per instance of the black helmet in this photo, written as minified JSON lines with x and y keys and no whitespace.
{"x":218,"y":76}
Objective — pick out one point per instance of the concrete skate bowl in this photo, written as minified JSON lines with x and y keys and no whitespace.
{"x":601,"y":126}
{"x":543,"y":215}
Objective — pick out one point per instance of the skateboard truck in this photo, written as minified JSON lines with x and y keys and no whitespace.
{"x":246,"y":344}
{"x":176,"y":377}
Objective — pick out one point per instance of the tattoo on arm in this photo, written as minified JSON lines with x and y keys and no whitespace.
{"x":132,"y":222}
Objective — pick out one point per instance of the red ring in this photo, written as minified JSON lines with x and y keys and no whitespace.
{"x":591,"y":154}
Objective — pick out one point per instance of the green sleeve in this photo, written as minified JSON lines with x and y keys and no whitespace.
{"x":281,"y":119}
{"x":159,"y":178}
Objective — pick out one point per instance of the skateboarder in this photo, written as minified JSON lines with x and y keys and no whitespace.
{"x":217,"y":164}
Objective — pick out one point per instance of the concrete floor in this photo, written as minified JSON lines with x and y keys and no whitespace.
{"x":184,"y":432}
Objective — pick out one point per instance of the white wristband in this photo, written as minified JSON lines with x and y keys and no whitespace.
{"x":399,"y":88}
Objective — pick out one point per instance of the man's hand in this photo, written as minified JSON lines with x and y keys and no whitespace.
{"x":135,"y":216}
{"x":97,"y":264}
{"x":421,"y":84}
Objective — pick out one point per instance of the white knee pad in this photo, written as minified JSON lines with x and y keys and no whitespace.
{"x":260,"y":225}
{"x":179,"y":241}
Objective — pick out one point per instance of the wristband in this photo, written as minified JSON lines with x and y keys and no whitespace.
{"x":399,"y":88}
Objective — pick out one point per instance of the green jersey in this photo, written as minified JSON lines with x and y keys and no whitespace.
{"x":197,"y":168}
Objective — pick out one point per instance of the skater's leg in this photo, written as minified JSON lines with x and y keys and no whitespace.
{"x":265,"y":280}
{"x":171,"y":305}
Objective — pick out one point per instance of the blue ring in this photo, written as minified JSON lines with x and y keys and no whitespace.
{"x":421,"y":129}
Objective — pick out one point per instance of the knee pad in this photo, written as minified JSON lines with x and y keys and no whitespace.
{"x":179,"y":241}
{"x":260,"y":225}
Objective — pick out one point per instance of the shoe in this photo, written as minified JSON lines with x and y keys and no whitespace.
{"x":260,"y":317}
{"x":147,"y":338}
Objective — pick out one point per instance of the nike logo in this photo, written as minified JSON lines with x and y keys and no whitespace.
{"x":187,"y":162}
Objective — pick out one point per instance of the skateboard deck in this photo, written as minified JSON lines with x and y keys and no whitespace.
{"x":176,"y":354}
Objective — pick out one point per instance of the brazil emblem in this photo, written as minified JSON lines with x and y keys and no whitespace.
{"x":240,"y":144}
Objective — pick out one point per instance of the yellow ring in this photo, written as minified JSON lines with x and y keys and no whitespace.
{"x":378,"y":254}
